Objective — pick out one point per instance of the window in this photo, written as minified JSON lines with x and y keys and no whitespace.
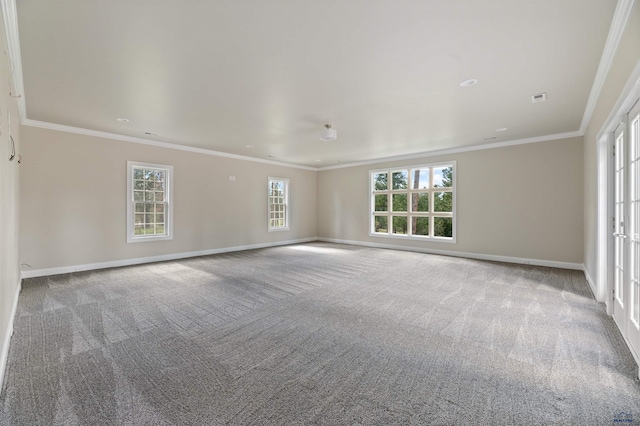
{"x":414,"y":202}
{"x":149,"y":205}
{"x":278,"y":204}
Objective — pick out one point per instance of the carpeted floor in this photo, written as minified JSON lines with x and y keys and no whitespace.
{"x":317,"y":334}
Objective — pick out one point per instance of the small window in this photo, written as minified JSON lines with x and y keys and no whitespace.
{"x":415,"y":202}
{"x":149,"y":205}
{"x":278,"y":196}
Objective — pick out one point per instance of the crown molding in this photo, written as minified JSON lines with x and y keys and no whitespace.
{"x":459,"y":150}
{"x":132,"y":139}
{"x":10,"y":17}
{"x":618,"y":25}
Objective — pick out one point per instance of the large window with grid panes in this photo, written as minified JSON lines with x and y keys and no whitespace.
{"x":414,"y":202}
{"x":278,"y":196}
{"x":149,"y":202}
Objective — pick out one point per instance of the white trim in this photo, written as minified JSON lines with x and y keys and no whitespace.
{"x":168,"y":145}
{"x":151,"y":259}
{"x":626,"y":99}
{"x":478,"y":256}
{"x":449,"y":151}
{"x":10,"y":16}
{"x":4,"y":351}
{"x":616,"y":30}
{"x":590,"y":281}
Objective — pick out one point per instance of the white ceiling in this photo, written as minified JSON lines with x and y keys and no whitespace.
{"x":221,"y":75}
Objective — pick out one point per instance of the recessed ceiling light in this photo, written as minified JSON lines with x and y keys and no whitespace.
{"x":249,"y":146}
{"x":318,"y":160}
{"x":469,"y":83}
{"x":501,"y":129}
{"x":122,"y":120}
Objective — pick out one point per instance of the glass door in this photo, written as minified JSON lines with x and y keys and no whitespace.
{"x":633,"y":324}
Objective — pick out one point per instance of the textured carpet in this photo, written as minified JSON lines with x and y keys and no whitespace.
{"x":317,"y":334}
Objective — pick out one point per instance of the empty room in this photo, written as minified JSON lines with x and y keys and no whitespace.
{"x":319,"y":212}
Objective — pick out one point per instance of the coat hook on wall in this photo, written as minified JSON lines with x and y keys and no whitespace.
{"x":19,"y":159}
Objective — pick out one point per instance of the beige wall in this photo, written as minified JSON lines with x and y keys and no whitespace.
{"x":626,"y":57}
{"x":9,"y":261}
{"x":521,"y":201}
{"x":73,"y":200}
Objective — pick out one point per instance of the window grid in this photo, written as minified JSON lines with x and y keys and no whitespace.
{"x":148,"y":202}
{"x":416,"y":201}
{"x":619,"y":217}
{"x":278,"y":204}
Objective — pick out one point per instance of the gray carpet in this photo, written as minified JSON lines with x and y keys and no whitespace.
{"x":317,"y":334}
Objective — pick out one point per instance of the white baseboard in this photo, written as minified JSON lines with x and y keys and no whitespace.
{"x":592,"y":284}
{"x":478,"y":256}
{"x":4,"y":351}
{"x":151,"y":259}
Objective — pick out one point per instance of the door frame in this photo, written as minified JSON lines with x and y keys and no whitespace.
{"x":604,"y":243}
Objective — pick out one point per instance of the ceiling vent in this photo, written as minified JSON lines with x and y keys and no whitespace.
{"x":540,"y":97}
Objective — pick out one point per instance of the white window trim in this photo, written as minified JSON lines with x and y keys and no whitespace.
{"x":424,"y":238}
{"x":286,"y":203}
{"x":131,"y":238}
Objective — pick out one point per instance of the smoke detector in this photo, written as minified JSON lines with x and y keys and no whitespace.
{"x":328,"y":134}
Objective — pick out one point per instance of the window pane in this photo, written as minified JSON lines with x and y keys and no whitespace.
{"x":160,"y":208}
{"x":160,"y":229}
{"x":380,"y":181}
{"x":159,"y":186}
{"x":159,"y":196}
{"x":160,"y":218}
{"x":148,"y":229}
{"x":420,"y":202}
{"x":420,"y":178}
{"x":159,"y":176}
{"x":420,"y":226}
{"x":138,"y":196}
{"x":399,"y":202}
{"x":149,"y":186}
{"x":139,"y":219}
{"x":399,"y":225}
{"x":148,"y":207}
{"x":138,"y":230}
{"x":139,"y":208}
{"x":381,"y":224}
{"x":442,"y":226}
{"x":148,"y":195}
{"x":138,"y":174}
{"x":148,"y":218}
{"x":139,"y":185}
{"x":400,"y":180}
{"x":381,"y":203}
{"x":443,"y":177}
{"x":442,"y":202}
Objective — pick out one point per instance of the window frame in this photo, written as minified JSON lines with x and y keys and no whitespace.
{"x":286,"y":204}
{"x":431,"y":213}
{"x":168,"y":200}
